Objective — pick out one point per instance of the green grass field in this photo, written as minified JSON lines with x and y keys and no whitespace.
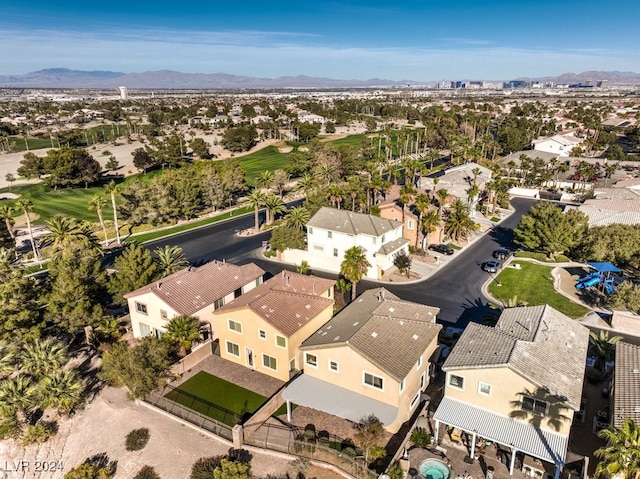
{"x":268,"y":158}
{"x":219,"y":392}
{"x":533,"y":284}
{"x":18,"y":144}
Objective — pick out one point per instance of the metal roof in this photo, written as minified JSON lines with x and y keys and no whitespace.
{"x":323,"y":396}
{"x":525,"y":437}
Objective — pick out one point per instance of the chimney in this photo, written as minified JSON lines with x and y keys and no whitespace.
{"x":382,"y":294}
{"x":287,"y":278}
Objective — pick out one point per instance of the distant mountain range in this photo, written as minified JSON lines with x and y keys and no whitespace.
{"x":167,"y":79}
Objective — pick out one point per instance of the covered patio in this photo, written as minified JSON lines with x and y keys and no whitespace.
{"x":514,"y":435}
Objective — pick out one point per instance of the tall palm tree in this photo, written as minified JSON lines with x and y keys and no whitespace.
{"x":265,"y":179}
{"x":306,"y":183}
{"x":621,"y":456}
{"x":97,"y":203}
{"x":6,"y":213}
{"x":18,"y":395}
{"x":442,"y":195}
{"x":64,"y":231}
{"x":274,"y":206}
{"x":354,"y":267}
{"x":111,"y":189}
{"x":40,"y":357}
{"x":604,"y":346}
{"x":183,"y":331}
{"x":256,"y":199}
{"x":430,"y":222}
{"x":297,"y":217}
{"x":26,"y":206}
{"x":60,"y":390}
{"x":459,"y":224}
{"x":170,"y":259}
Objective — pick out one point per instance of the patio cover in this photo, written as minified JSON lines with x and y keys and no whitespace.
{"x":525,"y":437}
{"x":317,"y":394}
{"x":604,"y":267}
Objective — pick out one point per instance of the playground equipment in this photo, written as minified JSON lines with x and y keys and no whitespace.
{"x":599,"y":278}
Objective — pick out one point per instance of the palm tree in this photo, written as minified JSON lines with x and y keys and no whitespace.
{"x":6,"y":213}
{"x":274,"y":206}
{"x":60,"y":390}
{"x":97,"y":203}
{"x":306,"y":183}
{"x":459,"y":224}
{"x":430,"y":222}
{"x":170,"y":259}
{"x":7,"y":360}
{"x":265,"y":179}
{"x":621,"y":456}
{"x":604,"y":346}
{"x":304,"y":267}
{"x":18,"y":395}
{"x":257,"y":200}
{"x":64,"y":231}
{"x":40,"y":357}
{"x":354,"y":267}
{"x":111,"y":189}
{"x":183,"y":331}
{"x":26,"y":206}
{"x":297,"y":217}
{"x":442,"y":195}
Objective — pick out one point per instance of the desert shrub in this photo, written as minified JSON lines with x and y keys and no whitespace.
{"x":420,"y":437}
{"x":203,"y":468}
{"x":137,"y":439}
{"x":395,"y":471}
{"x":89,"y":471}
{"x":38,"y":434}
{"x":147,"y":472}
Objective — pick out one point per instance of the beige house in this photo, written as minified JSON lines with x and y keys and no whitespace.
{"x":374,"y":357}
{"x":517,"y":384}
{"x":190,"y":292}
{"x":263,"y":329}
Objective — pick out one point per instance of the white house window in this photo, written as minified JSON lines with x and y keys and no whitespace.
{"x":374,"y":381}
{"x":329,"y":234}
{"x":317,"y":248}
{"x":373,"y":240}
{"x":333,"y":366}
{"x":163,"y":314}
{"x":233,"y":349}
{"x":145,"y":330}
{"x":456,"y":381}
{"x":311,"y":359}
{"x":484,"y":389}
{"x":281,"y":341}
{"x":141,"y":308}
{"x":262,"y":333}
{"x":235,"y":326}
{"x":383,"y":238}
{"x":532,"y":405}
{"x":218,"y":303}
{"x":335,"y":252}
{"x":410,"y":224}
{"x":419,"y":363}
{"x":269,"y":362}
{"x":309,"y":230}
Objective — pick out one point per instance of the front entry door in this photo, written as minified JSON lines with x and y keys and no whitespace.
{"x":249,"y":357}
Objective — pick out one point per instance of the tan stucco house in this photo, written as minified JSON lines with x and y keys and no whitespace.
{"x":517,"y":384}
{"x":193,"y":291}
{"x":264,"y":328}
{"x":374,"y":357}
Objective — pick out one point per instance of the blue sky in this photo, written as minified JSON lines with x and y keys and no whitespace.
{"x":403,"y":40}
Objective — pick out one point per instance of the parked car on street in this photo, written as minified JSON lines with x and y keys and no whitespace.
{"x":491,"y":266}
{"x":502,"y":253}
{"x":441,"y":248}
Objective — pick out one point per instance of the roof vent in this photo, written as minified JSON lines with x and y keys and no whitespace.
{"x":374,"y":334}
{"x":635,"y":371}
{"x":415,"y":336}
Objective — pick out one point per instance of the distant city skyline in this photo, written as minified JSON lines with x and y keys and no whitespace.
{"x":415,"y":40}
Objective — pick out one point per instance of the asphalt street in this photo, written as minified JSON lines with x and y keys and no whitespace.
{"x":455,"y":288}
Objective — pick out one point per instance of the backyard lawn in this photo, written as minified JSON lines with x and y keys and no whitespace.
{"x":230,"y":398}
{"x":533,"y":284}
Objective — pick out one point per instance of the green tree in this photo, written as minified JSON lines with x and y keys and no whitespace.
{"x":307,"y":131}
{"x":626,"y":296}
{"x":256,"y":200}
{"x":6,"y":214}
{"x":98,"y":203}
{"x":354,"y":267}
{"x":200,"y":148}
{"x":430,"y":222}
{"x":41,"y":357}
{"x":89,"y":471}
{"x":603,"y":345}
{"x":32,"y":166}
{"x":142,"y":159}
{"x":139,"y":369}
{"x":65,"y":232}
{"x":170,"y":259}
{"x":229,"y":469}
{"x":620,"y":457}
{"x":402,"y":261}
{"x":239,"y":138}
{"x":546,"y":228}
{"x":368,"y":436}
{"x":297,"y":217}
{"x":135,"y":268}
{"x":112,"y":189}
{"x":113,"y":164}
{"x":18,"y":397}
{"x":265,"y":180}
{"x":285,"y":237}
{"x":458,"y":223}
{"x":617,"y":243}
{"x":182,"y":331}
{"x":280,"y":180}
{"x":19,"y":304}
{"x":60,"y":390}
{"x":27,"y":207}
{"x":274,"y":206}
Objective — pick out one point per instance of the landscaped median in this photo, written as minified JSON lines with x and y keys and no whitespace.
{"x":532,"y":284}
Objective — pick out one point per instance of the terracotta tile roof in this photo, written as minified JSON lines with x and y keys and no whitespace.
{"x":287,"y":301}
{"x":191,"y":289}
{"x":626,"y":389}
{"x":390,"y":332}
{"x":352,"y":223}
{"x":538,"y":342}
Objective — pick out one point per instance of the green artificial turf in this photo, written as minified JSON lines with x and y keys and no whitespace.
{"x":533,"y":284}
{"x":226,"y":395}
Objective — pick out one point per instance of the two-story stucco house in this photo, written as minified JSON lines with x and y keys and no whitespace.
{"x":331,"y":232}
{"x":193,"y":291}
{"x":264,"y":328}
{"x":560,"y":145}
{"x":517,"y":384}
{"x":374,"y":357}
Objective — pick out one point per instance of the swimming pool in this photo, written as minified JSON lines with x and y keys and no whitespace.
{"x":434,"y":469}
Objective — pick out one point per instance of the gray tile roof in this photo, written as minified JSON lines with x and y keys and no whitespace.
{"x":392,"y":246}
{"x":288,"y":301}
{"x":191,"y":289}
{"x":390,"y":332}
{"x":538,"y":342}
{"x":351,"y":223}
{"x":626,"y":390}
